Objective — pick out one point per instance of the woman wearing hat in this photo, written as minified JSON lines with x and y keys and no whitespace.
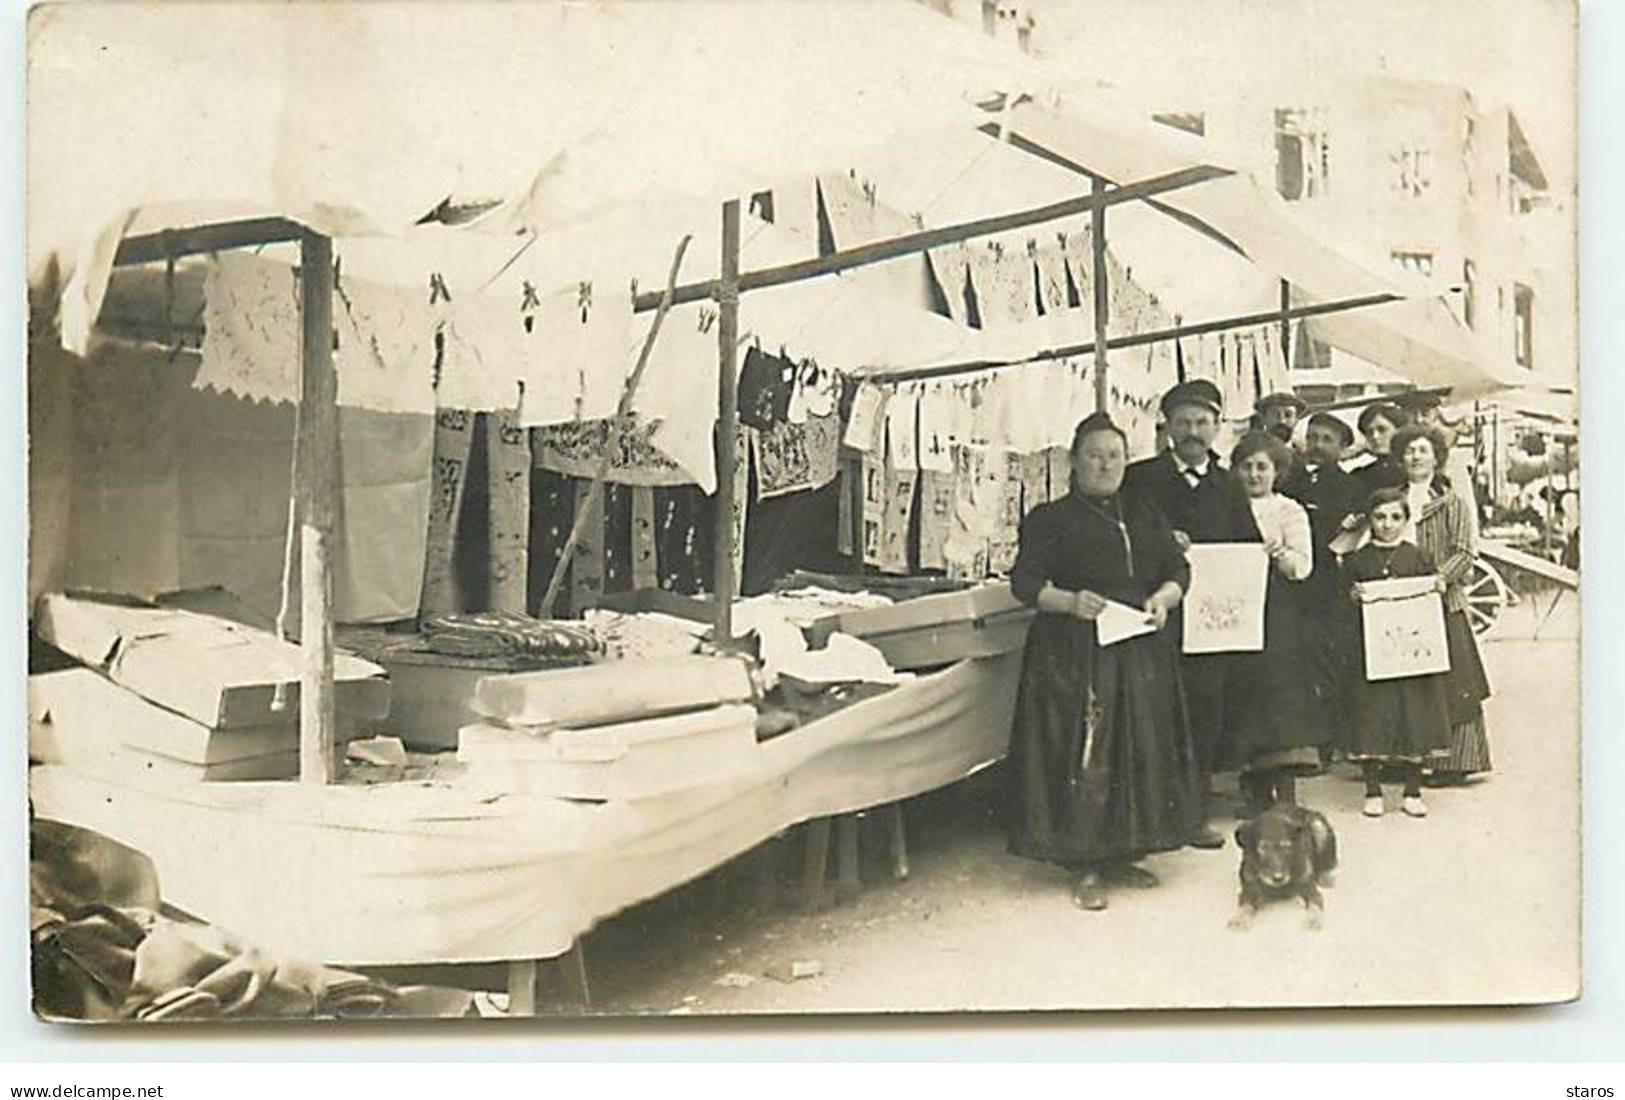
{"x":1446,"y":534}
{"x":1102,"y":770}
{"x":1378,"y":423}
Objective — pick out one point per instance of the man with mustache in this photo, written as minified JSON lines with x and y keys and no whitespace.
{"x":1203,"y":502}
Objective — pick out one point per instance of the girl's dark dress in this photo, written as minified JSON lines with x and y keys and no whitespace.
{"x":1394,"y":721}
{"x":1101,"y":767}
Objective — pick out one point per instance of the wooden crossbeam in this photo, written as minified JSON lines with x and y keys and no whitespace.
{"x":198,"y":240}
{"x":927,"y":239}
{"x":1139,"y":339}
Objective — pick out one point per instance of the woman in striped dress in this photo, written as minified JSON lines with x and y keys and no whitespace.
{"x":1444,"y":531}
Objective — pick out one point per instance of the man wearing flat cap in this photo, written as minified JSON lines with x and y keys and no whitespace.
{"x":1279,"y":413}
{"x":1330,"y":495}
{"x":1203,"y":502}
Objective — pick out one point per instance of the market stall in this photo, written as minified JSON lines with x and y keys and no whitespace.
{"x":514,"y":353}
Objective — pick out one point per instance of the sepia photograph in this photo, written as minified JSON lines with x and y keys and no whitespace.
{"x":660,"y":508}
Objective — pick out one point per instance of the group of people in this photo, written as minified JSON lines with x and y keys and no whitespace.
{"x":1114,"y":747}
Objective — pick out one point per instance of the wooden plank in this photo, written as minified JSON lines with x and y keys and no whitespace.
{"x":815,"y":864}
{"x":1070,"y":351}
{"x":924,"y":240}
{"x":202,"y":239}
{"x":1532,"y":563}
{"x":897,"y":839}
{"x":727,"y":434}
{"x":317,"y":489}
{"x":524,"y":987}
{"x":1102,"y":293}
{"x":847,"y":876}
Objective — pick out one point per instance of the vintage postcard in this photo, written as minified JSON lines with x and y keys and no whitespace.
{"x":722,"y":508}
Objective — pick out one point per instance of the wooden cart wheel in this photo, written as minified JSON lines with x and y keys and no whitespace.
{"x":1487,"y":594}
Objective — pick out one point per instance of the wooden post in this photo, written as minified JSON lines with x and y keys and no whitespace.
{"x":1286,"y":323}
{"x":317,"y":492}
{"x":1097,"y":235}
{"x":722,"y":542}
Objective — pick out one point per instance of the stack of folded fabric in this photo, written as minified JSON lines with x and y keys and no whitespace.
{"x":612,"y":732}
{"x":171,"y":695}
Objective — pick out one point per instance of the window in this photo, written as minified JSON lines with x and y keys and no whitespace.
{"x":1412,"y":170}
{"x":1417,"y":263}
{"x":1302,"y":153}
{"x":1469,"y":280}
{"x":1192,"y":122}
{"x":1523,"y":319}
{"x":761,"y":204}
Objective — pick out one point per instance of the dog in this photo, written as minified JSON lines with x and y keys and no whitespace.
{"x":1287,"y":851}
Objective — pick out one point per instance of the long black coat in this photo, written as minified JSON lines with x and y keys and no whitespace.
{"x":1215,"y":510}
{"x":1330,"y":495}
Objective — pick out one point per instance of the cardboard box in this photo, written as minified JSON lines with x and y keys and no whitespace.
{"x":938,"y":629}
{"x":217,"y":672}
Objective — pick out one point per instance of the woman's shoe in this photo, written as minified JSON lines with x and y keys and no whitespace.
{"x":1414,"y":806}
{"x":1373,"y":805}
{"x":1089,"y":892}
{"x":1207,"y":837}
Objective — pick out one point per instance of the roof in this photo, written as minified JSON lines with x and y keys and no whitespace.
{"x":1521,"y":156}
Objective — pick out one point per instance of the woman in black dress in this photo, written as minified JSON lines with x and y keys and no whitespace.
{"x":1378,"y":423}
{"x":1102,"y":768}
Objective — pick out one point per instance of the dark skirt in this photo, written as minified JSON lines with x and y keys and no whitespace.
{"x":1467,"y":684}
{"x":1332,"y":645}
{"x":1204,"y":677}
{"x":1102,"y":767}
{"x":1466,"y":688}
{"x":1269,"y":696}
{"x":1397,"y":721}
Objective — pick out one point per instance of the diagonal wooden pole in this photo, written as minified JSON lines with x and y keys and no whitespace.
{"x":623,"y":411}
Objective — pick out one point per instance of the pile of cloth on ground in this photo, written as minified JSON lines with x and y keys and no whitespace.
{"x":103,"y":949}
